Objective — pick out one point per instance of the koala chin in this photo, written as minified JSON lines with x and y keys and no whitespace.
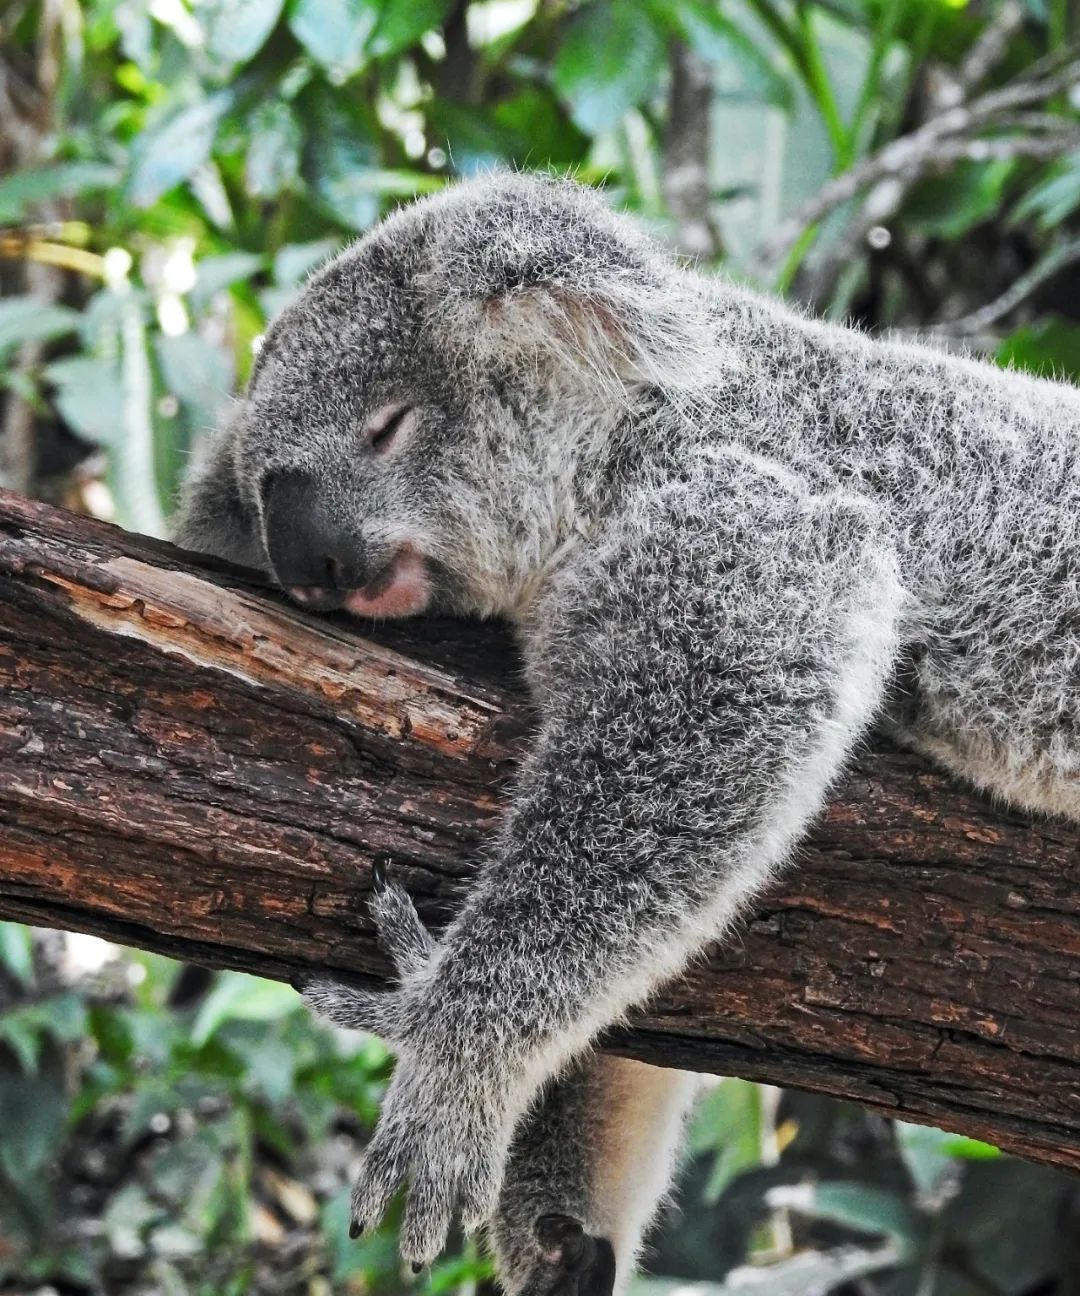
{"x":718,"y":527}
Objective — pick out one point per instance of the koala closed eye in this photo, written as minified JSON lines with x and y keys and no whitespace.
{"x":389,"y":425}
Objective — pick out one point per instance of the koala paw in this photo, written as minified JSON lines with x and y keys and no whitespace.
{"x":442,"y":1125}
{"x":449,"y":1142}
{"x":572,"y":1262}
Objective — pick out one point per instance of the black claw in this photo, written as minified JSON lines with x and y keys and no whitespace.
{"x":354,"y":1229}
{"x":379,"y":876}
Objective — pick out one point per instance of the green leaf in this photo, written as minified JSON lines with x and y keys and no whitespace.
{"x":1055,"y":198}
{"x":132,"y":466}
{"x":237,"y":29}
{"x":335,"y":32}
{"x":196,"y":371}
{"x":26,"y":189}
{"x":35,"y":1112}
{"x":167,"y":153}
{"x":969,"y":1149}
{"x":273,"y":156}
{"x":1049,"y":348}
{"x":23,"y":1039}
{"x":237,"y":995}
{"x":16,"y":951}
{"x":543,"y":135}
{"x":403,"y":22}
{"x":740,"y":64}
{"x":857,"y":1206}
{"x":472,"y":136}
{"x":728,"y":1123}
{"x":63,"y":1017}
{"x":90,"y":397}
{"x":950,"y":205}
{"x":26,"y":319}
{"x":923,"y":1151}
{"x":609,"y":61}
{"x":339,"y":157}
{"x":216,"y":273}
{"x":297,"y":260}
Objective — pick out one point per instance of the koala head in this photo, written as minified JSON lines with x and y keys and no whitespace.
{"x":422,"y":424}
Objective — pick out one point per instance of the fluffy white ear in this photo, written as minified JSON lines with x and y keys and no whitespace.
{"x":548,"y":273}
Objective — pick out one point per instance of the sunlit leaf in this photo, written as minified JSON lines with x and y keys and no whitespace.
{"x":273,"y":156}
{"x":132,"y":465}
{"x":90,"y":397}
{"x":216,"y":273}
{"x":1054,"y":198}
{"x":169,"y":152}
{"x":198,"y":372}
{"x":403,"y":22}
{"x":237,"y":29}
{"x":728,"y":1125}
{"x":335,"y":32}
{"x":296,"y":260}
{"x":16,"y":951}
{"x":809,"y":1273}
{"x":23,"y":190}
{"x":239,"y":996}
{"x":609,"y":62}
{"x":740,"y":63}
{"x":858,"y":1206}
{"x":338,"y":157}
{"x":925,"y":1154}
{"x":27,"y":319}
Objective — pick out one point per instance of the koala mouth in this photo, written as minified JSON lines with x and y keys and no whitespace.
{"x":401,"y":589}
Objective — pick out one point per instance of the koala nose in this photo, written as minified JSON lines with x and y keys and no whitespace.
{"x":313,"y":556}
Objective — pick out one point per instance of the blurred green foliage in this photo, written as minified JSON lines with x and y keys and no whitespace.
{"x":184,"y":164}
{"x":171,"y":170}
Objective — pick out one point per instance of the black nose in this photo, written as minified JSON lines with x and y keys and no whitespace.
{"x":313,"y":555}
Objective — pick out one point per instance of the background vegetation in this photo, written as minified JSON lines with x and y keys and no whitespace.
{"x":169,"y":171}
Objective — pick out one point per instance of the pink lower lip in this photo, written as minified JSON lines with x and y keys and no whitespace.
{"x":406,"y":593}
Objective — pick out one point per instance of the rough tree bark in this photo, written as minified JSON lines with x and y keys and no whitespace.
{"x":190,"y":766}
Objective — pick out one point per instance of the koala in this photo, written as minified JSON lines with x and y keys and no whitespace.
{"x":729,"y":539}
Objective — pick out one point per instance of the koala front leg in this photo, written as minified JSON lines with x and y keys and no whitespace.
{"x":703,"y":674}
{"x":590,"y":1163}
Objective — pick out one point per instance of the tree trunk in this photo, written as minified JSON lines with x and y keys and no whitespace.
{"x":188,"y":765}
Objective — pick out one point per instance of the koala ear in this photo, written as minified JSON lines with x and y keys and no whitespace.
{"x":533,"y":269}
{"x":212,"y":516}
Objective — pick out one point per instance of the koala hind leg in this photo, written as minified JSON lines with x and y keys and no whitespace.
{"x":589,"y":1165}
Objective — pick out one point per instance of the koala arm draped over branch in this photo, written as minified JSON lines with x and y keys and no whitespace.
{"x":716,"y":527}
{"x":696,"y":702}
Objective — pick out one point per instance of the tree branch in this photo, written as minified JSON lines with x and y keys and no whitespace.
{"x":952,"y":135}
{"x":190,"y":766}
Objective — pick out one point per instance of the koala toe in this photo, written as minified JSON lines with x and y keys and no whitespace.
{"x":574,"y":1263}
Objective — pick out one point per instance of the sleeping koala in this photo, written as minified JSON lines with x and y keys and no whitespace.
{"x":718,"y":529}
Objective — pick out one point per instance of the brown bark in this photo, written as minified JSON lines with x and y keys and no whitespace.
{"x":189,"y":766}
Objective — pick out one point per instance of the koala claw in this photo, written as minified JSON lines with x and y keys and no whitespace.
{"x":452,"y":1153}
{"x":379,"y":878}
{"x":574,"y":1263}
{"x":410,"y":947}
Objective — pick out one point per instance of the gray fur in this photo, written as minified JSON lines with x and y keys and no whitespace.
{"x":729,"y":538}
